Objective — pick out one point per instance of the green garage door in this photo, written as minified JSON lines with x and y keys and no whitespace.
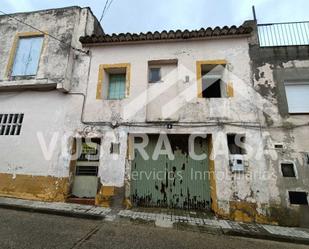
{"x":179,"y":183}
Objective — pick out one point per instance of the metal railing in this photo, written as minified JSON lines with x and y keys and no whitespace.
{"x":283,"y":34}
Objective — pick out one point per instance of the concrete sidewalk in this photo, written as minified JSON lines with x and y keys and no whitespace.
{"x":185,"y":221}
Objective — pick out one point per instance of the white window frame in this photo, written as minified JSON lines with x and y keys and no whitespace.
{"x":291,"y":108}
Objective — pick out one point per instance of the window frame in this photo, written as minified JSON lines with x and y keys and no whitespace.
{"x":295,"y":74}
{"x":108,"y":96}
{"x":294,"y":83}
{"x":105,"y":69}
{"x":149,"y":74}
{"x":199,"y":77}
{"x":13,"y":52}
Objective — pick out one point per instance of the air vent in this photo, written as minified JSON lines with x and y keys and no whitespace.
{"x":278,"y":146}
{"x":10,"y":124}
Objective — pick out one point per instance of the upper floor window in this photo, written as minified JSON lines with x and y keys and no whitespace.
{"x":154,"y":74}
{"x":212,"y":84}
{"x":297,"y":96}
{"x":117,"y":86}
{"x":27,"y":56}
{"x":114,"y":81}
{"x":211,"y":80}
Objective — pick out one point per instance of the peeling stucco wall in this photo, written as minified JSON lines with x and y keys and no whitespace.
{"x":271,"y":66}
{"x":51,"y":117}
{"x":247,"y":188}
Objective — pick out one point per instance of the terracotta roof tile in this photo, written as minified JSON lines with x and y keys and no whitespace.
{"x":167,"y":35}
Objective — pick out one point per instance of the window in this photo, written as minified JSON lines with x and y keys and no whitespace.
{"x":288,"y":170}
{"x":117,"y":86}
{"x":27,"y":56}
{"x":212,"y":84}
{"x":113,"y":81}
{"x":299,"y":198}
{"x":10,"y":124}
{"x":297,"y":96}
{"x":89,"y":150}
{"x":154,"y":75}
{"x":115,"y":148}
{"x":236,"y":144}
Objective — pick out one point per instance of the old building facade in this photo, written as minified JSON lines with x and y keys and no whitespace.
{"x":280,"y":70}
{"x":162,"y":91}
{"x":41,"y":68}
{"x":181,"y":119}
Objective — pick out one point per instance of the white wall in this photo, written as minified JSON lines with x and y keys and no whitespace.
{"x":49,"y":115}
{"x":234,"y":51}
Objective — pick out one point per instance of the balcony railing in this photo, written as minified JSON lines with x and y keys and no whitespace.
{"x":283,"y":34}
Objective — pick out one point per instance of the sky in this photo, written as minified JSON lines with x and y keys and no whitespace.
{"x":151,"y":15}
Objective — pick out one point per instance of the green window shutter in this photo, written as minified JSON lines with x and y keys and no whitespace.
{"x":117,"y":86}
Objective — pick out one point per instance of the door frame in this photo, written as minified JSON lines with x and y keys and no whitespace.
{"x":73,"y":164}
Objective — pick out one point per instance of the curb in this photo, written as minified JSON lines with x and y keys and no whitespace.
{"x":52,"y":211}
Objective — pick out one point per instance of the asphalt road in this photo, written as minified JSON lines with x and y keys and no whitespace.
{"x":21,"y":229}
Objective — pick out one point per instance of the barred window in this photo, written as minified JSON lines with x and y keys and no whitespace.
{"x":10,"y":124}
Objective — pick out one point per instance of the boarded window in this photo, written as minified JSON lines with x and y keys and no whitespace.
{"x":236,"y":144}
{"x":117,"y":86}
{"x":288,"y":169}
{"x":27,"y":56}
{"x":10,"y":124}
{"x":154,"y":75}
{"x":299,"y":198}
{"x":297,"y":96}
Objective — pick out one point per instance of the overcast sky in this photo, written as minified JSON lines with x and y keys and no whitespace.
{"x":151,"y":15}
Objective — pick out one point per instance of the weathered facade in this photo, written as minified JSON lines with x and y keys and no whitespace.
{"x":39,"y":109}
{"x":274,"y":69}
{"x":177,"y":106}
{"x":144,"y":109}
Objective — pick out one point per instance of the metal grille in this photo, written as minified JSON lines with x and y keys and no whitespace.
{"x":283,"y":34}
{"x":10,"y":124}
{"x":86,"y":170}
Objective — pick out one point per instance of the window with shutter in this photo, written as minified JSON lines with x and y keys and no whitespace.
{"x":117,"y":86}
{"x":27,"y":56}
{"x":297,"y":96}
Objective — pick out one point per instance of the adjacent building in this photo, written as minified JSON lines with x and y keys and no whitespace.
{"x":43,"y":75}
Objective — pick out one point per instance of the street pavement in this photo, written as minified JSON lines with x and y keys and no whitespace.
{"x":23,"y":229}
